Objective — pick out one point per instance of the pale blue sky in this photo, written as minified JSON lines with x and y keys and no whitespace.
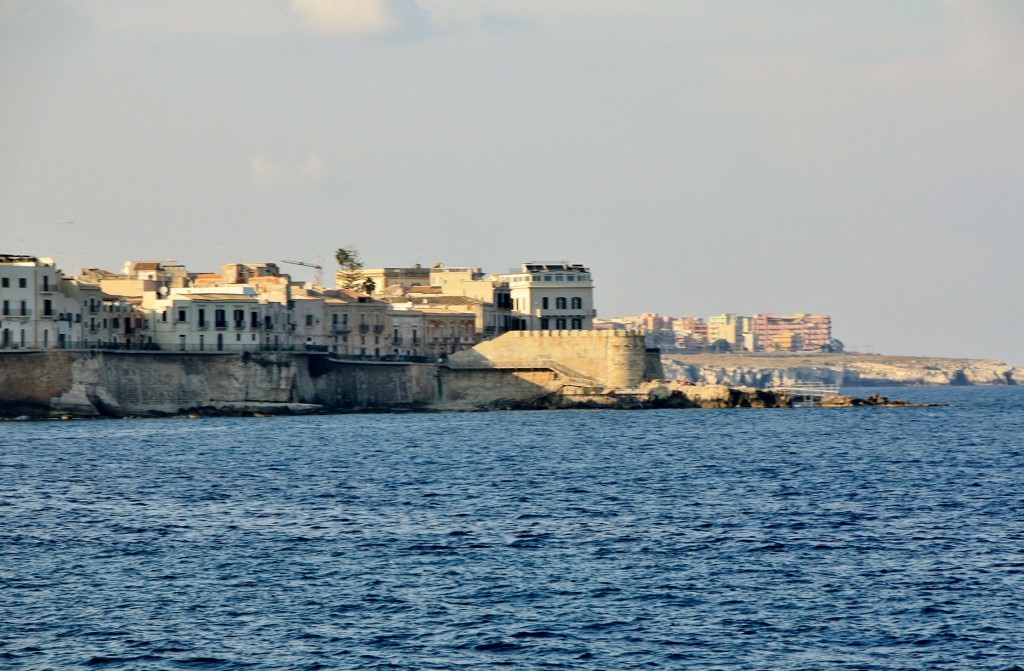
{"x":858,"y":158}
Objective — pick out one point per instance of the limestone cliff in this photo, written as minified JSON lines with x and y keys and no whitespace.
{"x":848,"y":370}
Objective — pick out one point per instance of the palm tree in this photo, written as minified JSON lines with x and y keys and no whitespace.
{"x":351,"y":274}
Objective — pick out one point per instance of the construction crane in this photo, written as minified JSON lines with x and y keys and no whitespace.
{"x":318,"y":276}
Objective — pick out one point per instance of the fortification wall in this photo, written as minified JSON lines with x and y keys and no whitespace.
{"x":610,"y":358}
{"x":118,"y":383}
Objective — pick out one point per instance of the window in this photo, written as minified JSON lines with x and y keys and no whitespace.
{"x":544,"y":302}
{"x":182,"y":315}
{"x":334,"y":318}
{"x":577,"y":324}
{"x":116,"y":322}
{"x":6,"y":282}
{"x":544,"y":323}
{"x":559,"y":278}
{"x":547,"y":278}
{"x":220,"y":319}
{"x":202,"y":317}
{"x":309,"y":320}
{"x":560,"y":323}
{"x":24,"y":308}
{"x":577,"y":303}
{"x":560,"y":303}
{"x":571,"y":278}
{"x":48,"y":308}
{"x":22,"y":283}
{"x":7,"y":308}
{"x":344,"y":319}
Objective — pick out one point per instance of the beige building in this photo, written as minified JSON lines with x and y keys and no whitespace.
{"x":355,"y":324}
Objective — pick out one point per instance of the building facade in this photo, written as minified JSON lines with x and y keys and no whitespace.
{"x":548,"y":296}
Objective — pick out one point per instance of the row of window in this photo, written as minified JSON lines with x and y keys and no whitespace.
{"x":24,"y":311}
{"x":5,"y":282}
{"x":560,"y":303}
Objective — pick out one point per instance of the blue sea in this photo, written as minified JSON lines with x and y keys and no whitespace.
{"x":793,"y":539}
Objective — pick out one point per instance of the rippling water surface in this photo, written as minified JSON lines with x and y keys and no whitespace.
{"x":862,"y":538}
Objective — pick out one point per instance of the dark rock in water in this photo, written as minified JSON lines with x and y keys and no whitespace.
{"x":842,"y":401}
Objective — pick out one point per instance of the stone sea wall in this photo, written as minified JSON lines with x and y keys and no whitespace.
{"x":514,"y":370}
{"x":108,"y":383}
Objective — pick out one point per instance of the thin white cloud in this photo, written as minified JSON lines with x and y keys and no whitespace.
{"x":264,"y":172}
{"x":267,"y":173}
{"x":346,"y":17}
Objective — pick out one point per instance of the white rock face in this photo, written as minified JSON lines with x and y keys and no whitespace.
{"x":847,"y":370}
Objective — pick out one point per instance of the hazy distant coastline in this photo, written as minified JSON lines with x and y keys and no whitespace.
{"x":846,"y":369}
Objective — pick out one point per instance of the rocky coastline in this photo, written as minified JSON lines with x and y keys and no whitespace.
{"x":845,"y":370}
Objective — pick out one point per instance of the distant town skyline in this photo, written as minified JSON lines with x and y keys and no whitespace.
{"x":857,"y":159}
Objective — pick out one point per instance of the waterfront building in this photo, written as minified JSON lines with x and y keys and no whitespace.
{"x":551,"y":296}
{"x":39,"y":307}
{"x":218,"y":318}
{"x":355,"y":324}
{"x":407,"y":329}
{"x":447,"y":331}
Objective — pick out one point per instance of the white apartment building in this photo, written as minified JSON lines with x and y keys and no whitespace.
{"x":553,"y":296}
{"x":224,"y":318}
{"x":40,"y":308}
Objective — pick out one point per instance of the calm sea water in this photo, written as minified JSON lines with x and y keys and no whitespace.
{"x":861,"y":538}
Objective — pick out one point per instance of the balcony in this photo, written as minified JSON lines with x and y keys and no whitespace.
{"x":378,"y":328}
{"x":221,"y":324}
{"x":364,"y":328}
{"x":239,"y":324}
{"x":341,"y":328}
{"x":47,"y":288}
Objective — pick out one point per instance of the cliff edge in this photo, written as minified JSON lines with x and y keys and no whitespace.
{"x":848,"y":370}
